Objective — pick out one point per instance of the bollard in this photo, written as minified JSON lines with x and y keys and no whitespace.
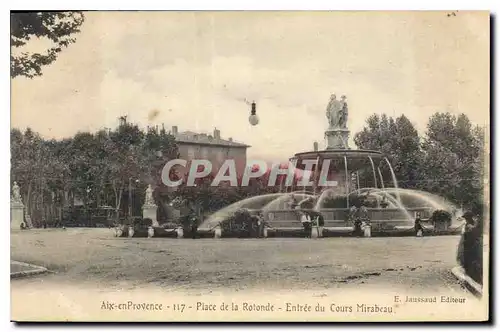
{"x":151,"y":231}
{"x":180,"y":232}
{"x":368,"y":231}
{"x":264,"y":232}
{"x":131,"y":231}
{"x":118,"y":231}
{"x":314,"y":232}
{"x":218,"y":232}
{"x":320,"y":228}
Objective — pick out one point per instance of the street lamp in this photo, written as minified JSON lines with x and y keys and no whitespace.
{"x":253,"y":118}
{"x":130,"y":195}
{"x":89,"y":215}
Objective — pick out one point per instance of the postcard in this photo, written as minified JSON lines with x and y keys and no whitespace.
{"x":250,"y":166}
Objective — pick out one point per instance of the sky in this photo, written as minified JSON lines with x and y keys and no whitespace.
{"x":196,"y":69}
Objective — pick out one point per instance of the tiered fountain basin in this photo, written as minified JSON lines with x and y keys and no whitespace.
{"x":349,"y":174}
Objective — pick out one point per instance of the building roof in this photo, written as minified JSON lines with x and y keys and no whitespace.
{"x":191,"y":137}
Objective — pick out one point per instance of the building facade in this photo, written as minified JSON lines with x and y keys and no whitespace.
{"x":210,"y":147}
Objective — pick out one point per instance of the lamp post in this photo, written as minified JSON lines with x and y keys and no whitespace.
{"x":87,"y":190}
{"x":130,"y":195}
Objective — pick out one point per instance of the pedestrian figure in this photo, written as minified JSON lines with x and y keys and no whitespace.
{"x":470,"y":252}
{"x":260,"y":224}
{"x":305,"y":219}
{"x":194,"y":226}
{"x":353,"y":218}
{"x":419,"y":229}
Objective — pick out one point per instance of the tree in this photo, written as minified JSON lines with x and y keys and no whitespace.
{"x":58,"y":28}
{"x":399,"y":141}
{"x":124,"y":159}
{"x":29,"y":163}
{"x":454,"y":159}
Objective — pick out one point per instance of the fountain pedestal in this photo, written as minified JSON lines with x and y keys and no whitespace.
{"x":180,"y":232}
{"x":217,"y":232}
{"x":337,"y":138}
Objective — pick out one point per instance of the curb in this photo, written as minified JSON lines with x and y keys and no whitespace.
{"x":467,"y":281}
{"x":34,"y":270}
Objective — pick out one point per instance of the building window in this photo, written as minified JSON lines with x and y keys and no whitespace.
{"x":191,"y":153}
{"x":204,"y":152}
{"x":221,"y":156}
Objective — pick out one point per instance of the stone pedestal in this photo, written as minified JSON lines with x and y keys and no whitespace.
{"x":118,"y":231}
{"x":16,"y":214}
{"x":367,"y":231}
{"x":151,"y":231}
{"x":218,"y":232}
{"x":131,"y":231}
{"x":180,"y":232}
{"x":337,"y":139}
{"x":149,"y":211}
{"x":314,"y":232}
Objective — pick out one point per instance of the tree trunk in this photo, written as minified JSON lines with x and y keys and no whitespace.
{"x":118,"y":199}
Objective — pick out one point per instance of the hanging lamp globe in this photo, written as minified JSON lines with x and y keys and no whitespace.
{"x":253,"y":118}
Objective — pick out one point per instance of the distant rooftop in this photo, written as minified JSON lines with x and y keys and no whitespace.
{"x":204,"y":139}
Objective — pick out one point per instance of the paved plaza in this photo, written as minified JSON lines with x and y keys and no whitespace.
{"x":94,"y":256}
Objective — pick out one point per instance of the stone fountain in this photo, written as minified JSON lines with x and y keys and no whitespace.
{"x":340,"y":178}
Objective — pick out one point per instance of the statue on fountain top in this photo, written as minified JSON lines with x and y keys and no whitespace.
{"x":337,"y":112}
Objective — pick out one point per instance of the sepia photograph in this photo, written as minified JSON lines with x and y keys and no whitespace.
{"x":250,"y":166}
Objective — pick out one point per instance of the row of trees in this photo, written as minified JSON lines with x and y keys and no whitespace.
{"x":447,"y":160}
{"x":98,"y":168}
{"x":110,"y":166}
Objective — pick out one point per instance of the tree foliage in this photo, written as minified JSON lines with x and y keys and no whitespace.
{"x":95,"y":168}
{"x":57,"y":28}
{"x":447,"y":160}
{"x":398,"y":140}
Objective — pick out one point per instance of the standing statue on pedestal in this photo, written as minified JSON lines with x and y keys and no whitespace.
{"x":149,"y":209}
{"x":16,"y":193}
{"x":17,"y":209}
{"x":149,"y":200}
